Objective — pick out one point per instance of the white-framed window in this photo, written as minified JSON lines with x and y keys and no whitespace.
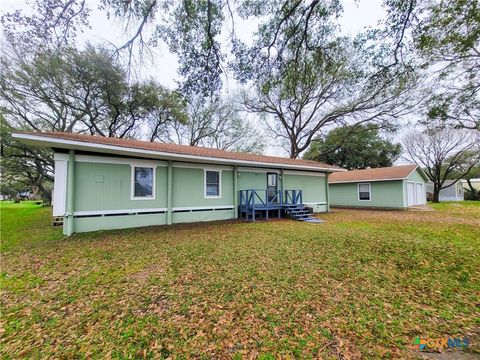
{"x":213,"y":183}
{"x":143,"y":182}
{"x":364,"y":192}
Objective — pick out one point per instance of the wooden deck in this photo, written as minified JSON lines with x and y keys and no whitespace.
{"x":256,"y":203}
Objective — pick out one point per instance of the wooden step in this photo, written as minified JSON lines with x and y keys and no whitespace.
{"x":57,"y":221}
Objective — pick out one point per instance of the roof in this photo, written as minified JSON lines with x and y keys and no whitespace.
{"x":148,"y":149}
{"x":379,"y":174}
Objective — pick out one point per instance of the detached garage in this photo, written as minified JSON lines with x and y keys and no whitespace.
{"x":396,"y":187}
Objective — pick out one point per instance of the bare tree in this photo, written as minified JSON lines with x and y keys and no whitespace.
{"x":213,"y":123}
{"x":444,"y":152}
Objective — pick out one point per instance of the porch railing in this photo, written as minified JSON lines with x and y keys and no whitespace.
{"x":260,"y":198}
{"x":255,"y":198}
{"x":293,"y":197}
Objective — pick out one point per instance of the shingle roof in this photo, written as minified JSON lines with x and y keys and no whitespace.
{"x":182,"y":149}
{"x":378,"y":174}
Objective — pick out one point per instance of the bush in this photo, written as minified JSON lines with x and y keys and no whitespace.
{"x":472,"y":195}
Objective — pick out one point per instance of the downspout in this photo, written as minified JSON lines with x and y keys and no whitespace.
{"x":70,"y":192}
{"x":169,"y":192}
{"x":235,"y":191}
{"x":282,"y":175}
{"x":326,"y":192}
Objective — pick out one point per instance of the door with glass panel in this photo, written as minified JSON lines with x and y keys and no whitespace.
{"x":272,"y":187}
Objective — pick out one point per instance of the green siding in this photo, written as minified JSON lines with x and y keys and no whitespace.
{"x":108,"y":187}
{"x":118,"y":222}
{"x":416,"y":176}
{"x":313,"y":188}
{"x":252,"y":180}
{"x":189,"y":188}
{"x":384,"y":194}
{"x":194,"y":216}
{"x":105,"y":186}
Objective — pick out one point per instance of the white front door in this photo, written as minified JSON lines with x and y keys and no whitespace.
{"x":410,"y":193}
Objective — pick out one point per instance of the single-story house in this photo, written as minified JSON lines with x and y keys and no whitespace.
{"x":454,"y":192}
{"x":396,"y":187}
{"x":110,"y":183}
{"x":475,"y":183}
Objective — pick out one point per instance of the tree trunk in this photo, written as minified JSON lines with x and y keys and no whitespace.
{"x":472,"y":189}
{"x":436,"y":195}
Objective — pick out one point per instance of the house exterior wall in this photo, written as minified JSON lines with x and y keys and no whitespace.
{"x":416,"y":178}
{"x":384,"y":194}
{"x":455,"y":192}
{"x":108,"y":187}
{"x":102,"y":192}
{"x":313,"y":186}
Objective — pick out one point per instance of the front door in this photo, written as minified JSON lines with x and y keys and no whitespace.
{"x":272,"y":187}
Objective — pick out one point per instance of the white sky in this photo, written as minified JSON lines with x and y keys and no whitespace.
{"x":162,"y":65}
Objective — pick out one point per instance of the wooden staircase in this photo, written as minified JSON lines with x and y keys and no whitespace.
{"x":300,"y":213}
{"x":289,"y":204}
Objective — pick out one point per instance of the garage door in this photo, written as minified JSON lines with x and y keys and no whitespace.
{"x":420,"y":196}
{"x":410,"y":193}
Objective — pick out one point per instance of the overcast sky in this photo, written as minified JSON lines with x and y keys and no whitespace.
{"x":162,"y":65}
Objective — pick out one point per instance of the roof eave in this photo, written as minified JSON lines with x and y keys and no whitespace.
{"x":365,"y":180}
{"x":49,"y":141}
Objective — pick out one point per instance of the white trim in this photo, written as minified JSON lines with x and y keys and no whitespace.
{"x":183,"y":165}
{"x":113,"y":212}
{"x":47,"y":141}
{"x":422,"y":173}
{"x":219,"y":196}
{"x":369,"y":191}
{"x":315,"y":203}
{"x":132,"y":194}
{"x":258,"y":170}
{"x":303,"y":173}
{"x":186,"y":208}
{"x":364,"y":180}
{"x":60,"y":156}
{"x":60,"y":187}
{"x":111,"y":160}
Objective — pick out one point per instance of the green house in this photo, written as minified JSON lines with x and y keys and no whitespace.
{"x":108,"y":183}
{"x":396,"y":187}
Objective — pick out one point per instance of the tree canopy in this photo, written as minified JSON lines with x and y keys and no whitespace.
{"x":354,"y":147}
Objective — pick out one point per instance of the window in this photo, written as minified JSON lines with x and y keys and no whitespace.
{"x":212,"y":183}
{"x":272,"y":180}
{"x":364,"y":192}
{"x":143,"y":182}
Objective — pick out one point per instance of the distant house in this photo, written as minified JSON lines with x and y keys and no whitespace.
{"x":396,"y":187}
{"x":109,"y":183}
{"x":453,"y":192}
{"x":475,"y":183}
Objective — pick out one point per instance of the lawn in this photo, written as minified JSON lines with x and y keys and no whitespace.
{"x":362,"y":285}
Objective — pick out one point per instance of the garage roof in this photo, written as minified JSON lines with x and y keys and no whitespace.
{"x":401,"y":172}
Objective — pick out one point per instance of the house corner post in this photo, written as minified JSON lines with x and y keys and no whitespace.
{"x":327,"y":195}
{"x":70,"y":192}
{"x":235,"y":191}
{"x":169,"y":192}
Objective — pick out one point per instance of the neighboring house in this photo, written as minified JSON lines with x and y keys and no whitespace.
{"x":109,"y":183}
{"x":454,"y":192}
{"x":396,"y":187}
{"x":475,"y":183}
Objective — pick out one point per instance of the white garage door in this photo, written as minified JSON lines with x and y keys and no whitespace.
{"x":420,"y":196}
{"x":410,"y":193}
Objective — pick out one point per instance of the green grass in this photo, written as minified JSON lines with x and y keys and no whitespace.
{"x":362,"y":285}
